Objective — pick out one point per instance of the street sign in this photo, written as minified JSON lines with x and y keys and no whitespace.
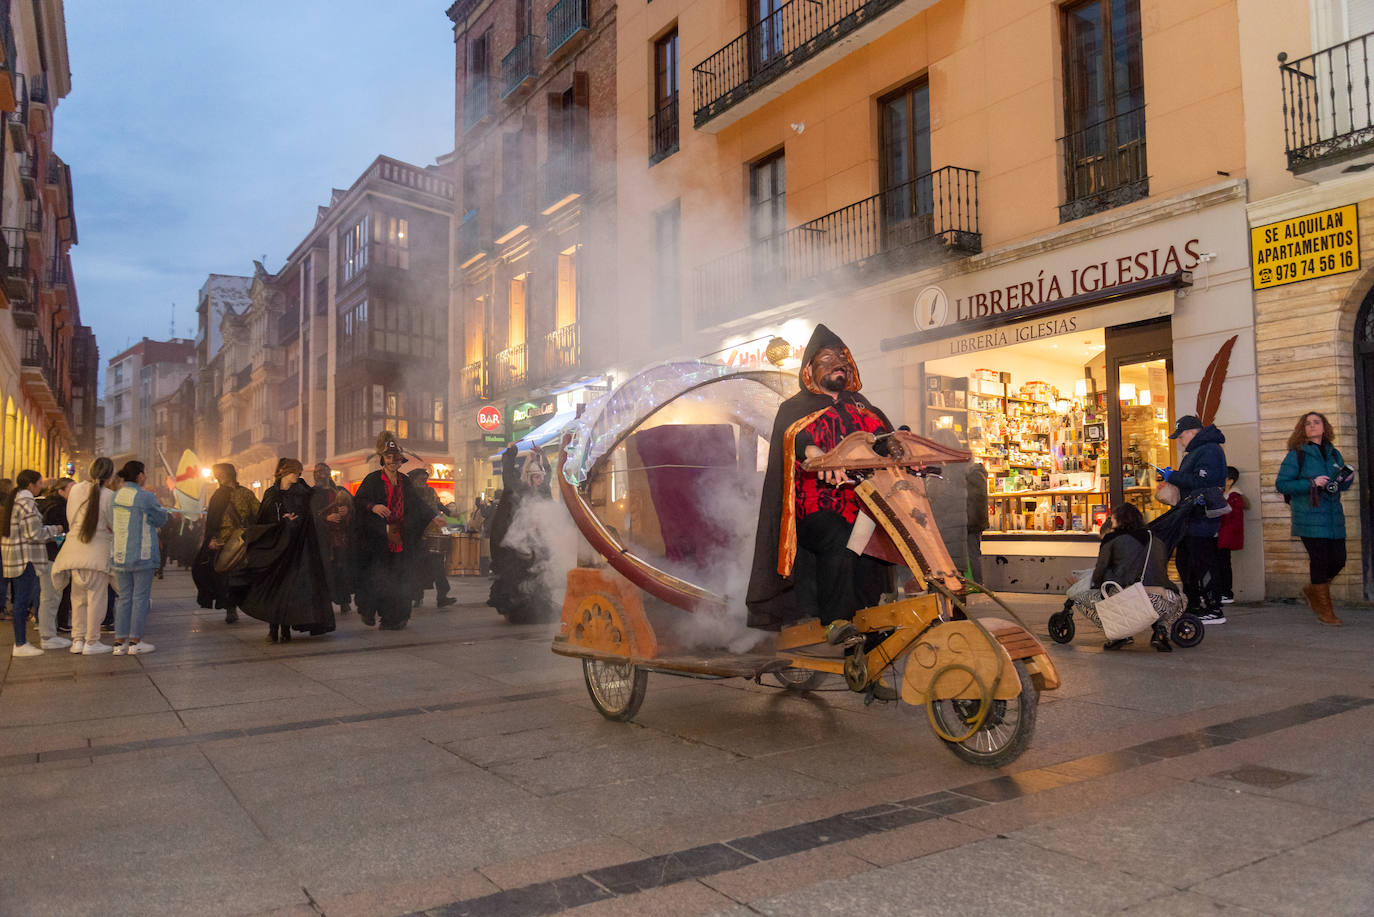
{"x":489,"y":418}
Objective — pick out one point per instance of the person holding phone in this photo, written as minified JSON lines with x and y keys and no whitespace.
{"x":1312,"y":478}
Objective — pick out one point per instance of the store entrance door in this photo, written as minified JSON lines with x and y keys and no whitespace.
{"x":1364,"y":410}
{"x":1140,"y":411}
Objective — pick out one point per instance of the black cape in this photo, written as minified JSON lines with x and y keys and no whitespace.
{"x":515,"y":591}
{"x":287,"y":568}
{"x":775,"y":600}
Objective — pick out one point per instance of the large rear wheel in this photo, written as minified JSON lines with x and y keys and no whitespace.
{"x":616,"y":688}
{"x":1003,"y":734}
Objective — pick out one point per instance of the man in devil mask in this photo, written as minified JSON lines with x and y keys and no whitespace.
{"x":802,"y":565}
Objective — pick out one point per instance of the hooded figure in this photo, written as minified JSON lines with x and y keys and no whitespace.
{"x":801,"y":565}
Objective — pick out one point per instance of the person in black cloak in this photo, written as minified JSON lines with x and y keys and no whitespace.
{"x":392,"y":521}
{"x":517,"y":592}
{"x":802,"y":567}
{"x":232,"y":506}
{"x":289,"y":589}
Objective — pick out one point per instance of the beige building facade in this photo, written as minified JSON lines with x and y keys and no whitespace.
{"x":1027,"y":219}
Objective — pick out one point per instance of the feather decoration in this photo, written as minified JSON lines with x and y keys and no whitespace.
{"x":1209,"y":391}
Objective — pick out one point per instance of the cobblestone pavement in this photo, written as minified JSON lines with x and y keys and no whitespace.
{"x":458,"y":767}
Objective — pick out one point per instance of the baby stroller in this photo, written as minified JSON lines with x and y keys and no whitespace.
{"x":1183,"y":627}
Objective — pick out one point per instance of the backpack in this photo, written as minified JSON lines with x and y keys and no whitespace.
{"x":1288,"y":498}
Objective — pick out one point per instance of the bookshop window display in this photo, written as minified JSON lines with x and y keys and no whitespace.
{"x":1061,"y":425}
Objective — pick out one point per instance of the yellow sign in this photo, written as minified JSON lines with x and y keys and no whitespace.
{"x":1305,"y":247}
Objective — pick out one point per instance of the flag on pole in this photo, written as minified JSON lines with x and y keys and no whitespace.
{"x":188,"y":486}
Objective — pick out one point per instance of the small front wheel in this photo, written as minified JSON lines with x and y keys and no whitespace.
{"x":616,"y":688}
{"x":1061,"y":626}
{"x":799,"y":680}
{"x":1188,"y":630}
{"x":1005,"y":732}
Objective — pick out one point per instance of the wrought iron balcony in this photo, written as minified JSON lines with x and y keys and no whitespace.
{"x":33,"y":218}
{"x":18,"y":119}
{"x":476,"y":101}
{"x":1104,"y":165}
{"x":792,"y":35}
{"x":565,"y":19}
{"x":517,"y":67}
{"x":862,"y":242}
{"x":28,"y":175}
{"x":472,"y":383}
{"x":663,"y":131}
{"x":471,"y":242}
{"x":1328,"y":111}
{"x":25,"y":312}
{"x":562,"y":350}
{"x":57,"y":274}
{"x":510,"y":368}
{"x":565,"y":179}
{"x":38,"y":89}
{"x":18,"y":273}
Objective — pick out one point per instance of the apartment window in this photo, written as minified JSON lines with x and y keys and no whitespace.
{"x":767,"y":31}
{"x":767,"y":213}
{"x":1104,"y":107}
{"x":353,"y":250}
{"x":473,"y":329}
{"x":565,"y":297}
{"x":392,"y":238}
{"x":668,"y":272}
{"x":904,"y":141}
{"x":478,"y":95}
{"x":322,"y":371}
{"x":118,"y":405}
{"x":119,"y":374}
{"x":664,"y":135}
{"x":353,"y":332}
{"x":428,"y":421}
{"x":515,"y":316}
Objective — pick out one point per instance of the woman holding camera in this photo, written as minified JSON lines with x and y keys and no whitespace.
{"x":1312,"y":477}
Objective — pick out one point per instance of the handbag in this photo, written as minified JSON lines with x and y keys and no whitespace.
{"x":1126,"y":611}
{"x":1167,"y":493}
{"x":234,"y":551}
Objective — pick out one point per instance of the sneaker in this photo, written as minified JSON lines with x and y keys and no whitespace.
{"x":56,"y":643}
{"x":1212,"y":617}
{"x":95,"y":648}
{"x":143,"y":646}
{"x":26,"y":649}
{"x":120,"y":649}
{"x":1227,"y":600}
{"x":77,"y":647}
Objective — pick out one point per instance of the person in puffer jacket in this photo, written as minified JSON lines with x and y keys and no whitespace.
{"x":1199,"y":478}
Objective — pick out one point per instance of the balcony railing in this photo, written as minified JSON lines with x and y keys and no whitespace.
{"x":1104,"y":165}
{"x":1328,"y":111}
{"x":564,"y":179}
{"x":861,"y":241}
{"x":25,"y":312}
{"x":471,"y":241}
{"x":471,"y":383}
{"x":562,"y":350}
{"x":53,"y":175}
{"x":566,"y":19}
{"x":57,"y":274}
{"x":793,"y":34}
{"x":38,"y":89}
{"x":28,"y":174}
{"x":663,"y":131}
{"x":34,"y":356}
{"x":518,"y":66}
{"x":510,"y":368}
{"x":18,"y":273}
{"x":33,"y":218}
{"x":18,"y":119}
{"x":477,"y":100}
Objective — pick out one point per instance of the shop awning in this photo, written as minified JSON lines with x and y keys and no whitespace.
{"x":541,"y":435}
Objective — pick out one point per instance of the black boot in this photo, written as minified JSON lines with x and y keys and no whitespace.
{"x":1159,"y":639}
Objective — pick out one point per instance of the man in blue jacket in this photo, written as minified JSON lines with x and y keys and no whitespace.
{"x":1203,"y":468}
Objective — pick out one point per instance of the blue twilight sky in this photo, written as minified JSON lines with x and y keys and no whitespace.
{"x":204,"y":134}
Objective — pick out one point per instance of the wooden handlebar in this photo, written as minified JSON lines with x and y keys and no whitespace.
{"x":855,"y":452}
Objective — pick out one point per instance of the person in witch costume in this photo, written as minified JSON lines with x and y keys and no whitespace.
{"x":285,"y":562}
{"x":802,"y":567}
{"x":392,"y":522}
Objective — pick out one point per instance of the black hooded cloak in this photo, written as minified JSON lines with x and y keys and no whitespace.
{"x":776,"y":598}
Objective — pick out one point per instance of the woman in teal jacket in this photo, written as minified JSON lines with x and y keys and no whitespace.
{"x":1311,"y":465}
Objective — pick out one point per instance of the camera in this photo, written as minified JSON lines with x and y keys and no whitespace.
{"x":1333,"y":486}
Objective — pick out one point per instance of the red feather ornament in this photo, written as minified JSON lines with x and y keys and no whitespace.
{"x":1209,"y":392}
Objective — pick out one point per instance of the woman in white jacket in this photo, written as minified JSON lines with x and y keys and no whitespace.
{"x":86,"y":556}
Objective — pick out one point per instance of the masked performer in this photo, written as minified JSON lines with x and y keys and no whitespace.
{"x":392,"y":522}
{"x":802,"y":567}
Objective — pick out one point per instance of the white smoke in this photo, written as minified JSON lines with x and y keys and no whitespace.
{"x":543,"y":529}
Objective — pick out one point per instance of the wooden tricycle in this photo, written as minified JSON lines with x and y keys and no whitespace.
{"x":653,"y":474}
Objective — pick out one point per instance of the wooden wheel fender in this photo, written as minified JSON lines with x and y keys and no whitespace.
{"x":603,"y":612}
{"x":957,"y":643}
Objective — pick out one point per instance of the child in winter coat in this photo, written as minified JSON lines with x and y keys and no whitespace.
{"x":1231,"y":536}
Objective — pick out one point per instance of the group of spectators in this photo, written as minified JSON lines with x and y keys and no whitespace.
{"x":88,"y":550}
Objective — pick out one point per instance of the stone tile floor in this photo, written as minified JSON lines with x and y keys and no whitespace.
{"x":458,"y":767}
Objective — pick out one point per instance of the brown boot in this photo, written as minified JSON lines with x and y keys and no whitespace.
{"x":1320,"y":597}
